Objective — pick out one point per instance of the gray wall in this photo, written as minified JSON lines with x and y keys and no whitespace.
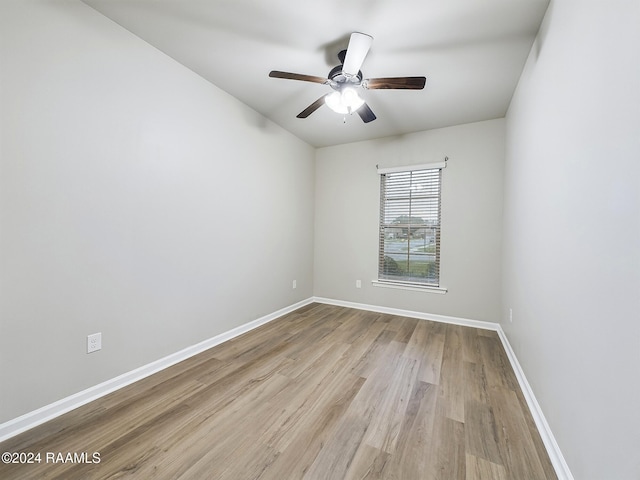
{"x":572,"y":232}
{"x":136,"y":200}
{"x":348,"y":206}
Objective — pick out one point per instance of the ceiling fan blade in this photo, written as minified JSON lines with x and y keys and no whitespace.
{"x":312,"y":108}
{"x":366,"y":114}
{"x":297,"y":76}
{"x":359,"y":45}
{"x":398,"y":83}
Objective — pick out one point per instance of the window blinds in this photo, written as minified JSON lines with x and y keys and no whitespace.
{"x":409,"y":249}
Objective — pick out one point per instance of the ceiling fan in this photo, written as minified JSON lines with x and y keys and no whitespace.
{"x":347,"y":77}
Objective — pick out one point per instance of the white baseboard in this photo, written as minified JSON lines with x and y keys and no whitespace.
{"x":49,"y":412}
{"x":409,"y":313}
{"x":555,"y":455}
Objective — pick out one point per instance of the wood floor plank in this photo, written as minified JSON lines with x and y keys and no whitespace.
{"x":427,"y":348}
{"x":481,"y":434}
{"x":535,"y":436}
{"x":475,"y":383}
{"x":448,"y":447}
{"x":385,"y":424}
{"x":315,"y":432}
{"x":496,"y":365}
{"x":417,"y":341}
{"x":470,"y":345}
{"x":334,"y":460}
{"x":324,"y":392}
{"x":368,"y":464}
{"x":412,"y":456}
{"x":452,"y":375}
{"x":297,"y":402}
{"x":405,"y":329}
{"x":481,"y":469}
{"x":514,"y":439}
{"x":370,"y":360}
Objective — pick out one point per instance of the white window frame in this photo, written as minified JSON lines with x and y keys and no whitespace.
{"x":411,"y":283}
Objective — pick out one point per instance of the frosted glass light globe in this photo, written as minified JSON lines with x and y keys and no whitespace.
{"x":344,"y":102}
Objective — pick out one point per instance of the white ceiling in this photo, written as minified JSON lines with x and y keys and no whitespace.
{"x":471,"y":51}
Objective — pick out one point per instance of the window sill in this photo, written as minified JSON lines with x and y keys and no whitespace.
{"x":409,"y":286}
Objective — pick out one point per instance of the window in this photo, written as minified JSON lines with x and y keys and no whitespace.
{"x":409,"y":251}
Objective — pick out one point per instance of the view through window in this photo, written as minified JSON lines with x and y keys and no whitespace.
{"x":410,"y":227}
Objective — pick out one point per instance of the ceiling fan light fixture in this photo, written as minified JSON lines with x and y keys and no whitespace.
{"x":346,"y":77}
{"x":345,"y":101}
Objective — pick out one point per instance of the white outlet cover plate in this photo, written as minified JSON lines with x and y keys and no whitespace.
{"x":94,"y":342}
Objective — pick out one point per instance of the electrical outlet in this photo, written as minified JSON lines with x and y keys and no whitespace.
{"x":295,"y":284}
{"x":94,"y":342}
{"x":358,"y":283}
{"x":511,"y":315}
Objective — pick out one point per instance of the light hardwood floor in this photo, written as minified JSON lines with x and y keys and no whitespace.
{"x":324,"y":392}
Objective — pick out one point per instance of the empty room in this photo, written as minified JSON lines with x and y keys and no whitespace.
{"x":320,"y":240}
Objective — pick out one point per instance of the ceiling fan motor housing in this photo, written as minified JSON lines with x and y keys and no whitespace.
{"x":339,"y":79}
